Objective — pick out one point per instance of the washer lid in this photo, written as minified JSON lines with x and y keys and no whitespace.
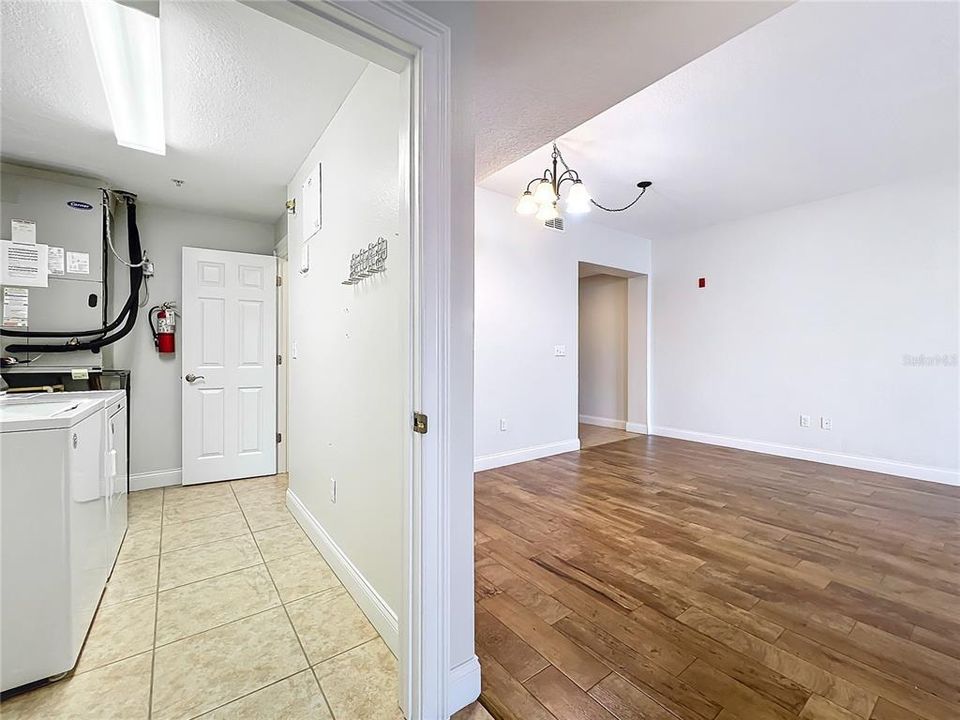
{"x":19,"y":416}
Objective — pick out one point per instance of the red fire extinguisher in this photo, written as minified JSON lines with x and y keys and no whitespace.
{"x":165,"y":327}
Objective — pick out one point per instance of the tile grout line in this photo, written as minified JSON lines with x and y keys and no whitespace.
{"x":252,"y":692}
{"x":283,"y":605}
{"x":156,"y":614}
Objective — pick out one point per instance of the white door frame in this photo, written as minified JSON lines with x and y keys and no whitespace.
{"x":408,"y":41}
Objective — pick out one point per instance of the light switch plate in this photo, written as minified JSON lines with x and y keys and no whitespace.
{"x":559,"y":350}
{"x":804,"y":421}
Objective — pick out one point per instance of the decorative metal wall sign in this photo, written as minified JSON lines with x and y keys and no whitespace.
{"x":369,"y":261}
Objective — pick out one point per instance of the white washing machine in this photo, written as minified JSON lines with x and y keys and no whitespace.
{"x":63,"y":505}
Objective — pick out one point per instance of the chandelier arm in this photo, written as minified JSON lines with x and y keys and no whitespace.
{"x":568,"y":174}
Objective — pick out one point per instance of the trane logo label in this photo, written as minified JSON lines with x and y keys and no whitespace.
{"x":80,"y":205}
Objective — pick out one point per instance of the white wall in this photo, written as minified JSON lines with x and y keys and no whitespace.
{"x":812,"y":310}
{"x":603,"y":350}
{"x":638,"y":341}
{"x":526,"y":303}
{"x":349,"y":382}
{"x":155,"y":378}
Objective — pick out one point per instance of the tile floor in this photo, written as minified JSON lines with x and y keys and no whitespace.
{"x":220,"y":607}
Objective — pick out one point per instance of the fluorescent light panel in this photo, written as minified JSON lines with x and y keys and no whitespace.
{"x":126,"y":42}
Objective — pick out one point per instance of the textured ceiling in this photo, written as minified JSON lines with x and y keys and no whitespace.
{"x":542,"y":68}
{"x":246,"y":97}
{"x":820,"y":99}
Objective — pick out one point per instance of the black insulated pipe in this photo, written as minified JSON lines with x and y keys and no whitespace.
{"x":127,"y":316}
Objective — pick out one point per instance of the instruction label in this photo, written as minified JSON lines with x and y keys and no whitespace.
{"x":23,"y":232}
{"x":78,"y":263}
{"x":55,"y":264}
{"x":15,"y":307}
{"x":24,"y":265}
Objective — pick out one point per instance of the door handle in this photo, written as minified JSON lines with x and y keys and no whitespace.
{"x":190,"y":377}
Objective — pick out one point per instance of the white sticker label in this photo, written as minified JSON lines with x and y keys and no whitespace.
{"x":24,"y":265}
{"x":15,"y":307}
{"x":79,"y":373}
{"x":78,"y":263}
{"x":23,"y":231}
{"x":55,"y":260}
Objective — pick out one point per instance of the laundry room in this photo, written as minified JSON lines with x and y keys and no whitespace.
{"x":206,"y":286}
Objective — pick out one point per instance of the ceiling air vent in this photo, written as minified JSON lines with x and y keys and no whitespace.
{"x":555,"y":224}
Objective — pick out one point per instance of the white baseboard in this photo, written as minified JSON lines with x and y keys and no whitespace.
{"x":156,"y":479}
{"x":382,"y":616}
{"x":636,"y":428}
{"x":510,"y":457}
{"x":463,"y":685}
{"x":602,"y":422}
{"x":857,"y":462}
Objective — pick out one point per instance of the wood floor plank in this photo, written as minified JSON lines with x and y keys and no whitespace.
{"x":580,"y":666}
{"x":626,"y":702}
{"x":563,"y":698}
{"x":839,"y":691}
{"x":732,"y":694}
{"x":818,"y":708}
{"x":504,"y":696}
{"x":506,"y":647}
{"x":635,"y":665}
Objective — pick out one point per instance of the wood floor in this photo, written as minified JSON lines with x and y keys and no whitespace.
{"x":593,"y":435}
{"x":661,"y":579}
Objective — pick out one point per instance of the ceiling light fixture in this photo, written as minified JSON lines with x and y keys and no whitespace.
{"x":126,"y":43}
{"x":543,"y":198}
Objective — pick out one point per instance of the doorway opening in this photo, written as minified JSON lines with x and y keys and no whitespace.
{"x":612,"y":372}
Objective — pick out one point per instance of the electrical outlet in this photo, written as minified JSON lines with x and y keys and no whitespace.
{"x":503,"y":424}
{"x":826,"y":423}
{"x":333,"y":490}
{"x":804,"y":421}
{"x":559,"y":350}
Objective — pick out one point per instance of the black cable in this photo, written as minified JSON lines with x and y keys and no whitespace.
{"x":625,"y":207}
{"x":643,"y":187}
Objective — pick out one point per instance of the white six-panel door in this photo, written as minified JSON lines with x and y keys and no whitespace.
{"x":228,"y":333}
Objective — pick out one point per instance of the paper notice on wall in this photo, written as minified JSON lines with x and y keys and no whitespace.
{"x":15,"y":307}
{"x":55,"y":264}
{"x":23,"y":232}
{"x":78,"y":263}
{"x":24,"y":265}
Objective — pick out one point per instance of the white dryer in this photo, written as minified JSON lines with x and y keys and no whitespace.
{"x":63,"y":508}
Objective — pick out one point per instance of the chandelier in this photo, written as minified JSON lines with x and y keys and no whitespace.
{"x":543,"y":193}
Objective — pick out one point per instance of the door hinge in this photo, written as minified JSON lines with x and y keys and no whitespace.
{"x":279,"y":359}
{"x":420,"y":423}
{"x":292,"y":206}
{"x":279,"y":281}
{"x":279,"y":438}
